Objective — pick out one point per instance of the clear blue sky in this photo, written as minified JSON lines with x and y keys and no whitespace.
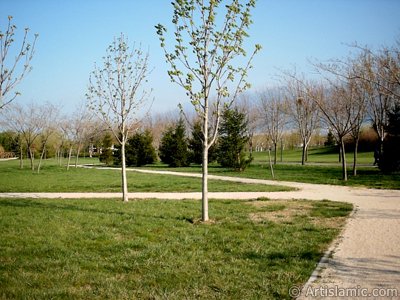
{"x":75,"y":33}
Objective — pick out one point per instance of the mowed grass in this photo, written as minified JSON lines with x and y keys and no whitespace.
{"x":152,"y":249}
{"x":322,"y":168}
{"x":54,"y":178}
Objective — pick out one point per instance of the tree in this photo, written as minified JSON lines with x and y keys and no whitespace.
{"x":116,"y":95}
{"x":140,"y":150}
{"x":195,"y":144}
{"x":174,"y":146}
{"x":234,"y":137}
{"x":106,"y":155}
{"x":390,"y":158}
{"x":10,"y":72}
{"x":201,"y":61}
{"x":273,"y":116}
{"x":303,"y":112}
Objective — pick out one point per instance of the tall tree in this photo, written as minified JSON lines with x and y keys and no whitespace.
{"x":202,"y":61}
{"x":116,"y":94}
{"x":234,"y":136}
{"x":14,"y":66}
{"x":174,"y":146}
{"x":303,"y":112}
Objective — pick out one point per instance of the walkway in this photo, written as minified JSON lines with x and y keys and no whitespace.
{"x":367,"y":254}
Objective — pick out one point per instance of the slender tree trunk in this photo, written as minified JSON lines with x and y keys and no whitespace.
{"x":123,"y":171}
{"x":270,"y":164}
{"x":21,"y":157}
{"x":343,"y":157}
{"x":304,"y":154}
{"x":204,"y":180}
{"x":69,"y":157}
{"x":77,"y":156}
{"x":355,"y":157}
{"x":281,"y":150}
{"x":40,"y":159}
{"x":275,"y":152}
{"x":31,"y":156}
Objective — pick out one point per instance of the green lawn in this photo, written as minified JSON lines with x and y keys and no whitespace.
{"x":153,"y":249}
{"x":322,"y":168}
{"x":53,"y":178}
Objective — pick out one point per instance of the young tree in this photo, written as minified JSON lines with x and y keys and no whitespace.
{"x":273,"y":116}
{"x":174,"y":146}
{"x":10,"y":73}
{"x":202,"y":61}
{"x":234,"y":137}
{"x":116,"y":93}
{"x":195,"y":144}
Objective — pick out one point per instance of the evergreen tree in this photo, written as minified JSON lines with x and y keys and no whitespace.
{"x":140,"y":150}
{"x":195,"y":145}
{"x":389,"y":161}
{"x":174,"y":146}
{"x":233,"y":140}
{"x":106,"y":155}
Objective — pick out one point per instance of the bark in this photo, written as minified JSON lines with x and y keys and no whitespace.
{"x":343,"y":158}
{"x":69,"y":157}
{"x":77,"y":155}
{"x":355,"y":157}
{"x":21,"y":159}
{"x":123,"y":171}
{"x":40,"y":160}
{"x":275,"y":152}
{"x":303,"y":156}
{"x":270,"y":164}
{"x":204,"y":185}
{"x":32,"y":157}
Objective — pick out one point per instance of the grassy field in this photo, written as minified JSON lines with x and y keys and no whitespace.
{"x":322,"y":168}
{"x":53,"y":178}
{"x":152,"y":249}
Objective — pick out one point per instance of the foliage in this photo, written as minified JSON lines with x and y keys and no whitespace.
{"x":195,"y":145}
{"x":153,"y":249}
{"x":233,"y":140}
{"x":390,"y":158}
{"x":330,"y":139}
{"x":174,"y":146}
{"x":9,"y":141}
{"x":140,"y":150}
{"x":106,"y":155}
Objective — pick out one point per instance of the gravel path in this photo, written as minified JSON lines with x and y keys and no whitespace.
{"x":365,"y":258}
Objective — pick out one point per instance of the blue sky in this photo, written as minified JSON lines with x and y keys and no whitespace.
{"x":74,"y":34}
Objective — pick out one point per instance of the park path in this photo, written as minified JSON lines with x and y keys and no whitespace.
{"x":365,"y":256}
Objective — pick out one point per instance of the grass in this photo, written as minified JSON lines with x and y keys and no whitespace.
{"x":152,"y":249}
{"x":56,"y":179}
{"x":322,"y":168}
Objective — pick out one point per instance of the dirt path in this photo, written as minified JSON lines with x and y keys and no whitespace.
{"x":366,"y":256}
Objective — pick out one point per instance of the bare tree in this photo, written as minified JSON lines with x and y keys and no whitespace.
{"x":273,"y":115}
{"x":205,"y":47}
{"x":10,"y":74}
{"x":303,"y":111}
{"x":49,"y":126}
{"x":115,"y":93}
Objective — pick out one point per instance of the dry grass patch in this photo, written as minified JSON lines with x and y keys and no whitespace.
{"x":285,"y":211}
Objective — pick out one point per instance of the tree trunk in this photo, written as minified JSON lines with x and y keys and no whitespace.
{"x":31,"y":156}
{"x":69,"y":157}
{"x":281,"y":150}
{"x":270,"y":163}
{"x":123,"y":171}
{"x":304,"y":154}
{"x":21,"y":157}
{"x":204,"y":186}
{"x":77,"y":156}
{"x":40,"y":160}
{"x":275,"y":152}
{"x":355,"y":157}
{"x":343,"y":158}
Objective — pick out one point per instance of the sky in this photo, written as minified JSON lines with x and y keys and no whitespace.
{"x":74,"y":35}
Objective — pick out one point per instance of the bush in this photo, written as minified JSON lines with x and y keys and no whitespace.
{"x":390,"y":158}
{"x":233,"y":140}
{"x":174,"y":146}
{"x":140,"y":150}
